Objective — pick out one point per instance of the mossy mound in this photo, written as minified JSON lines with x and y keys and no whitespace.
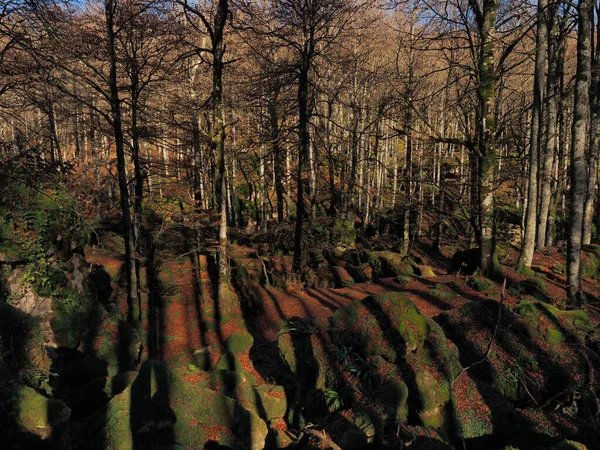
{"x":114,"y":343}
{"x":35,"y":419}
{"x":590,"y":261}
{"x":531,"y":356}
{"x":239,"y":343}
{"x":390,"y":264}
{"x":22,"y":347}
{"x":426,"y":271}
{"x":163,"y":410}
{"x":305,"y":351}
{"x":391,"y":327}
{"x":535,"y":287}
{"x":479,"y":284}
{"x":249,"y":269}
{"x":342,"y":277}
{"x":569,"y":445}
{"x":442,"y":291}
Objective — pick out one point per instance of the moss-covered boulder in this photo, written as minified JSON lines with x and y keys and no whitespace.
{"x":342,"y":277}
{"x":527,"y":354}
{"x":479,"y":284}
{"x":175,"y":410}
{"x":590,"y":261}
{"x":114,"y":343}
{"x":38,"y":415}
{"x":305,"y":351}
{"x":239,"y":343}
{"x":569,"y":445}
{"x":390,"y":264}
{"x":533,"y":286}
{"x":273,"y":400}
{"x":22,"y":347}
{"x":426,"y":271}
{"x":391,"y":327}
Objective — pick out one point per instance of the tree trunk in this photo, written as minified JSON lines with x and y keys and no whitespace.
{"x":304,"y":142}
{"x":588,"y":210}
{"x":134,"y":313}
{"x":278,"y":157}
{"x":526,"y":256}
{"x":550,"y":154}
{"x":486,"y":92}
{"x":197,"y":169}
{"x":218,"y":144}
{"x":581,"y":111}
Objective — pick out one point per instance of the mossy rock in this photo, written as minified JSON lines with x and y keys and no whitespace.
{"x":164,"y":410}
{"x":441,"y":291}
{"x":21,"y":343}
{"x":552,"y":325}
{"x":230,"y":362}
{"x":391,"y":327}
{"x":533,"y":286}
{"x":386,"y":325}
{"x":304,"y":351}
{"x":274,"y":401}
{"x":427,"y":272}
{"x":358,"y":273}
{"x":479,"y":284}
{"x":39,"y":415}
{"x":569,"y":445}
{"x":590,"y":261}
{"x":532,"y":354}
{"x":113,"y":341}
{"x":239,"y":343}
{"x":342,"y":277}
{"x":390,"y":264}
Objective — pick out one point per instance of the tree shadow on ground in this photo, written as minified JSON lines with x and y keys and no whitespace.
{"x":512,"y":345}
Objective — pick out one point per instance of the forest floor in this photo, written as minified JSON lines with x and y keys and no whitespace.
{"x":182,"y":321}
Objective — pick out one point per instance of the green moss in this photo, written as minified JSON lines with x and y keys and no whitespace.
{"x":480,"y":284}
{"x":72,"y":316}
{"x":273,"y":400}
{"x":37,"y":414}
{"x":473,"y":425}
{"x":343,"y":233}
{"x":389,"y":326}
{"x":535,"y":287}
{"x":569,"y":445}
{"x":441,"y":291}
{"x":239,"y":343}
{"x":390,"y":264}
{"x":590,"y":261}
{"x":342,"y":277}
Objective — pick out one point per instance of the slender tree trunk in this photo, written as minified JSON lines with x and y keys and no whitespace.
{"x":278,"y":157}
{"x":588,"y":209}
{"x":486,"y":92}
{"x":134,"y":313}
{"x":218,"y":144}
{"x":581,"y":111}
{"x":526,"y":256}
{"x":197,"y":169}
{"x":304,"y":142}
